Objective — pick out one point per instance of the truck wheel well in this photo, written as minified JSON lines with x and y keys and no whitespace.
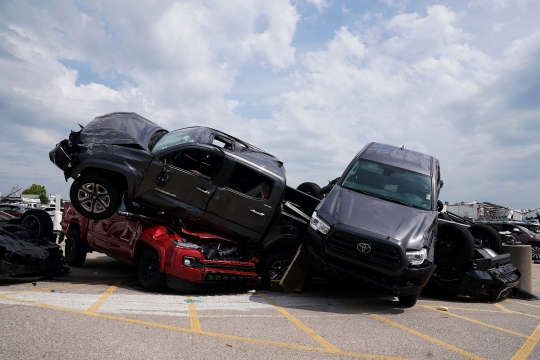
{"x":280,"y":246}
{"x":73,"y":226}
{"x":114,"y":176}
{"x":141,"y":246}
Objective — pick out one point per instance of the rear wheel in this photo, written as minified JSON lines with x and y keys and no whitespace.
{"x":274,"y":266}
{"x":148,"y":272}
{"x":455,"y":246}
{"x":409,"y":300}
{"x":488,"y":235}
{"x":75,"y":250}
{"x":310,"y":189}
{"x":38,"y":221}
{"x":95,"y":197}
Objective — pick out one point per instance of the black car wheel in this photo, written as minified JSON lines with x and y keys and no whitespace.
{"x":75,"y":250}
{"x":488,"y":235}
{"x":409,"y":300}
{"x":275,"y":265}
{"x":535,"y":247}
{"x":148,"y":272}
{"x":310,"y":189}
{"x":95,"y":197}
{"x":455,"y":246}
{"x":38,"y":221}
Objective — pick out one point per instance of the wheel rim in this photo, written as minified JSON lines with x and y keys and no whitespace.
{"x":448,"y":249}
{"x":149,"y":268}
{"x":32,"y":223}
{"x":94,"y":198}
{"x":535,"y":252}
{"x":278,"y":269}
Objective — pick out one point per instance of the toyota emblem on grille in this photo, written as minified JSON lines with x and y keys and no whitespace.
{"x":364,"y":248}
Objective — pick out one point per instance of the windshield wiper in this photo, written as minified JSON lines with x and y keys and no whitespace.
{"x":395,"y":201}
{"x":360,"y":191}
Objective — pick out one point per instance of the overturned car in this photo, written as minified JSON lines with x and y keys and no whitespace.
{"x":28,"y":248}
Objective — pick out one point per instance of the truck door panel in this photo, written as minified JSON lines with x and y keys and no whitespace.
{"x":121,"y":236}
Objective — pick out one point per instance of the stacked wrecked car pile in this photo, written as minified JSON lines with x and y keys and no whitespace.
{"x":198,"y":206}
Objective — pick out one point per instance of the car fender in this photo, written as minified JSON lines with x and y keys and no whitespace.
{"x":154,"y":245}
{"x":279,"y":241}
{"x":124,"y":170}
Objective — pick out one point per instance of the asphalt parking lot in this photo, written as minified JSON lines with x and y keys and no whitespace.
{"x":98,"y":312}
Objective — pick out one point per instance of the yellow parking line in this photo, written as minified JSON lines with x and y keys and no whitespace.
{"x":93,"y":308}
{"x":517,"y":312}
{"x":224,"y":336}
{"x":475,"y":310}
{"x":426,"y":337}
{"x":478,"y":322}
{"x":503,"y":308}
{"x":525,"y":350}
{"x":56,"y":287}
{"x":297,"y":322}
{"x":194,"y":321}
{"x":522,"y":303}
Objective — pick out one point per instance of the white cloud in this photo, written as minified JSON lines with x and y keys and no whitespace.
{"x":319,"y":4}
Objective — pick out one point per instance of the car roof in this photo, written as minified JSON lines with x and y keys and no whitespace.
{"x":399,"y":157}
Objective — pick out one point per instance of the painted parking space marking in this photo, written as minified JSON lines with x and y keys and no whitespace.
{"x":194,"y":321}
{"x":525,"y":350}
{"x":301,"y":325}
{"x":95,"y":306}
{"x":478,"y":322}
{"x":334,"y":350}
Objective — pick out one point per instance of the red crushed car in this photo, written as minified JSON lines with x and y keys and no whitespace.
{"x":178,"y":258}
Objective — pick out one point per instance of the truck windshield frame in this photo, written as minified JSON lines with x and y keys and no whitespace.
{"x":390,"y":183}
{"x":173,"y":138}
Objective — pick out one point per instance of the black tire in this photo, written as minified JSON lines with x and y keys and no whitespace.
{"x":148,"y":272}
{"x":275,"y":264}
{"x":408,"y":300}
{"x":455,"y":246}
{"x":95,"y":197}
{"x":38,"y":221}
{"x":535,"y":248}
{"x":488,"y":235}
{"x":310,"y":189}
{"x":75,"y":250}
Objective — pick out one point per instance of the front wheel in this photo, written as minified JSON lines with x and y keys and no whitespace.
{"x":75,"y":250}
{"x":38,"y":221}
{"x":95,"y":197}
{"x":148,"y":272}
{"x":535,"y":248}
{"x":274,"y":266}
{"x":409,"y":300}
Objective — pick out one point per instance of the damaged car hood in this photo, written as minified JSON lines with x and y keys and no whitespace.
{"x":118,"y":128}
{"x":374,"y":215}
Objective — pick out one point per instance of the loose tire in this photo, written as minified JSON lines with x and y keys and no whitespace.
{"x":455,"y":246}
{"x":535,"y":248}
{"x":408,"y":300}
{"x":75,"y":250}
{"x":310,"y":189}
{"x":275,"y":264}
{"x":488,"y":235}
{"x":38,"y":221}
{"x":148,"y":272}
{"x":95,"y":197}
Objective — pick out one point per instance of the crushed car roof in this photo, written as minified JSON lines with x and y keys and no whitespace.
{"x":399,"y":157}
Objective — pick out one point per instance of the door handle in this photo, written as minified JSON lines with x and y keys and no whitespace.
{"x":256,"y":212}
{"x":203,"y":190}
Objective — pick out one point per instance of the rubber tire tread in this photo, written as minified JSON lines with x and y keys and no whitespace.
{"x":467,"y":243}
{"x":493,"y":237}
{"x":158,"y":282}
{"x":45,"y":222}
{"x":114,"y":194}
{"x":78,"y":257}
{"x":310,"y":188}
{"x":272,"y":257}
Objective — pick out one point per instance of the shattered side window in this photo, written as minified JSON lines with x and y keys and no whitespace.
{"x":250,"y":182}
{"x":391,"y":183}
{"x":177,"y":137}
{"x":199,"y":162}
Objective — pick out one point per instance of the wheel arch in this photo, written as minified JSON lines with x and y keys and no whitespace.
{"x":142,"y":244}
{"x":115,"y":171}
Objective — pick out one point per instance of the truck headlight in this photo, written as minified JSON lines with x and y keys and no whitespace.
{"x":416,"y":257}
{"x":316,"y":223}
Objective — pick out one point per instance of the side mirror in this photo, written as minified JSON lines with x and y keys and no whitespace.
{"x":441,"y":184}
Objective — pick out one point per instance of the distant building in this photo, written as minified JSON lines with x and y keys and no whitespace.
{"x":29,"y":199}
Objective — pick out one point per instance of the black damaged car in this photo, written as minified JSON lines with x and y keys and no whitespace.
{"x":378,"y":223}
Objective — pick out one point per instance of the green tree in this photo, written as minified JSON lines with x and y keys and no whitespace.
{"x":36,"y":189}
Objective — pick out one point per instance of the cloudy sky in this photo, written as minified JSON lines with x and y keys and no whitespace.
{"x":311,"y":81}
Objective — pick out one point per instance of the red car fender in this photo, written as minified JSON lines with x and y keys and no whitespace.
{"x":157,"y":238}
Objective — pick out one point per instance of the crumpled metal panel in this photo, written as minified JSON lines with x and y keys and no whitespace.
{"x":119,"y":128}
